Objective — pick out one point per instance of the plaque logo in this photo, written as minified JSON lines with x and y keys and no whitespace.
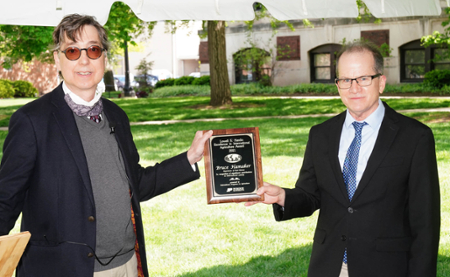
{"x":233,"y":158}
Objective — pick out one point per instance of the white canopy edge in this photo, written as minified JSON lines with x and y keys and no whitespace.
{"x":50,"y":12}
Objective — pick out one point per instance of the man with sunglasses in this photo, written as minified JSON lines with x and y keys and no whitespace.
{"x":372,"y":173}
{"x":70,"y":166}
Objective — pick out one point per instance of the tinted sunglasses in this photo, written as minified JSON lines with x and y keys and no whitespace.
{"x":74,"y":53}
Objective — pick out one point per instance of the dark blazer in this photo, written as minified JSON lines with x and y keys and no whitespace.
{"x":44,"y":175}
{"x":391,"y":226}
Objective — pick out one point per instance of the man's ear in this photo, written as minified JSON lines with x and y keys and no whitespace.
{"x":382,"y":84}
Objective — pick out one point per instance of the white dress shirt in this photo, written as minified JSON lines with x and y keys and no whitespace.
{"x":369,"y":136}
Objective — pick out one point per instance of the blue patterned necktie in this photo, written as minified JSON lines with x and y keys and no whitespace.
{"x":351,"y":164}
{"x":351,"y":160}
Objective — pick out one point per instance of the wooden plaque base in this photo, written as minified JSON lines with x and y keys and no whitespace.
{"x":233,"y":167}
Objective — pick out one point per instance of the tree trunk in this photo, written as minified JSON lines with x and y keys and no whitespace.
{"x":220,"y":84}
{"x":127,"y":87}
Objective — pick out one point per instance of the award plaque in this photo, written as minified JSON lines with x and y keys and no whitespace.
{"x":233,"y":166}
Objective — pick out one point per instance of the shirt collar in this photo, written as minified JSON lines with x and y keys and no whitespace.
{"x":373,"y":120}
{"x":78,"y":100}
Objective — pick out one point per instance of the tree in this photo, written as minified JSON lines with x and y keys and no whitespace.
{"x":143,"y":68}
{"x":440,"y":39}
{"x":24,"y":43}
{"x":220,"y":84}
{"x":123,"y":27}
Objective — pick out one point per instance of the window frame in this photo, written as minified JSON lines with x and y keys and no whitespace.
{"x":331,"y":49}
{"x":429,"y":56}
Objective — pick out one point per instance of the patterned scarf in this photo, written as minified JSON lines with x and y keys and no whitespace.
{"x":82,"y":110}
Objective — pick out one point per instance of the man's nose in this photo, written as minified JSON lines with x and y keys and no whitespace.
{"x":355,"y":87}
{"x":84,"y":57}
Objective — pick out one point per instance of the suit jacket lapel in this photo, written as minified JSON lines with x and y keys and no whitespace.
{"x":66,"y":122}
{"x":386,"y":136}
{"x":334,"y":140}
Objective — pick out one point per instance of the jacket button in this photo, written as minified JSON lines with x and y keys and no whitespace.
{"x":350,"y":210}
{"x":91,"y":218}
{"x":90,"y":255}
{"x":343,"y":238}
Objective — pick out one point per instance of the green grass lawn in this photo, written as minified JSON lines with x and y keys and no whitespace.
{"x":230,"y":239}
{"x":191,"y":107}
{"x":187,"y":237}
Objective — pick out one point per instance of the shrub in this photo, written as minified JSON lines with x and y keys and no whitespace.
{"x":6,"y":89}
{"x":265,"y":81}
{"x":24,"y":89}
{"x":183,"y":81}
{"x":181,"y":90}
{"x":143,"y":92}
{"x":437,"y":78}
{"x":202,"y":81}
{"x":165,"y":83}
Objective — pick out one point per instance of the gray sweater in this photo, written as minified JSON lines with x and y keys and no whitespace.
{"x":115,"y":234}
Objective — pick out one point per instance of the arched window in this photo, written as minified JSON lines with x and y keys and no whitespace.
{"x":251,"y":64}
{"x":416,"y":60}
{"x":323,"y":63}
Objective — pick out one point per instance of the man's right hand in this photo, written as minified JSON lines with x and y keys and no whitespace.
{"x":272,"y":194}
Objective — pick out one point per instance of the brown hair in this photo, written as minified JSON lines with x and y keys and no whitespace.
{"x":72,"y":25}
{"x":361,"y":46}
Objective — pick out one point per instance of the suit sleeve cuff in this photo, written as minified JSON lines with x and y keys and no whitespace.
{"x":278,"y":212}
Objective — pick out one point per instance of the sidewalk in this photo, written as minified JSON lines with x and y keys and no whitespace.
{"x":161,"y":122}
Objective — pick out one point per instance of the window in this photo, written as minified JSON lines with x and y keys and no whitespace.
{"x":442,"y":58}
{"x":414,"y":64}
{"x":416,"y":60}
{"x":323,"y":63}
{"x":251,"y":64}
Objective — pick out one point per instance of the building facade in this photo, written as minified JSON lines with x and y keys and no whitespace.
{"x":310,"y":52}
{"x":174,"y":54}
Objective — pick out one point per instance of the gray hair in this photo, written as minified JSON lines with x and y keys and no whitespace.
{"x":72,"y":25}
{"x":362,"y":46}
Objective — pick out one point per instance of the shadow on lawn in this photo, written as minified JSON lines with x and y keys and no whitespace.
{"x":443,"y":268}
{"x":292,"y":262}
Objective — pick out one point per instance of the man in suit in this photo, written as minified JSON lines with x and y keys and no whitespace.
{"x":70,"y":166}
{"x":375,"y":182}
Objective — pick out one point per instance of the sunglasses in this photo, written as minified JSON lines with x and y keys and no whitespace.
{"x":74,"y":53}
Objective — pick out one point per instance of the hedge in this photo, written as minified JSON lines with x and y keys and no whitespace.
{"x":6,"y":89}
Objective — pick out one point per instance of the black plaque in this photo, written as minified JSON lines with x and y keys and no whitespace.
{"x":233,"y":166}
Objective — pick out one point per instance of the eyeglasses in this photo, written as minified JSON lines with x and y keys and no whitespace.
{"x":362,"y":81}
{"x":74,"y":53}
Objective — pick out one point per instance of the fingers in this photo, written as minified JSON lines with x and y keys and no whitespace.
{"x":269,"y":189}
{"x":195,"y":152}
{"x":248,"y":204}
{"x":272,"y":194}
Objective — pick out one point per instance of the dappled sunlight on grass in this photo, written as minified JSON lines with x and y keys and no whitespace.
{"x":186,"y":237}
{"x":217,"y":240}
